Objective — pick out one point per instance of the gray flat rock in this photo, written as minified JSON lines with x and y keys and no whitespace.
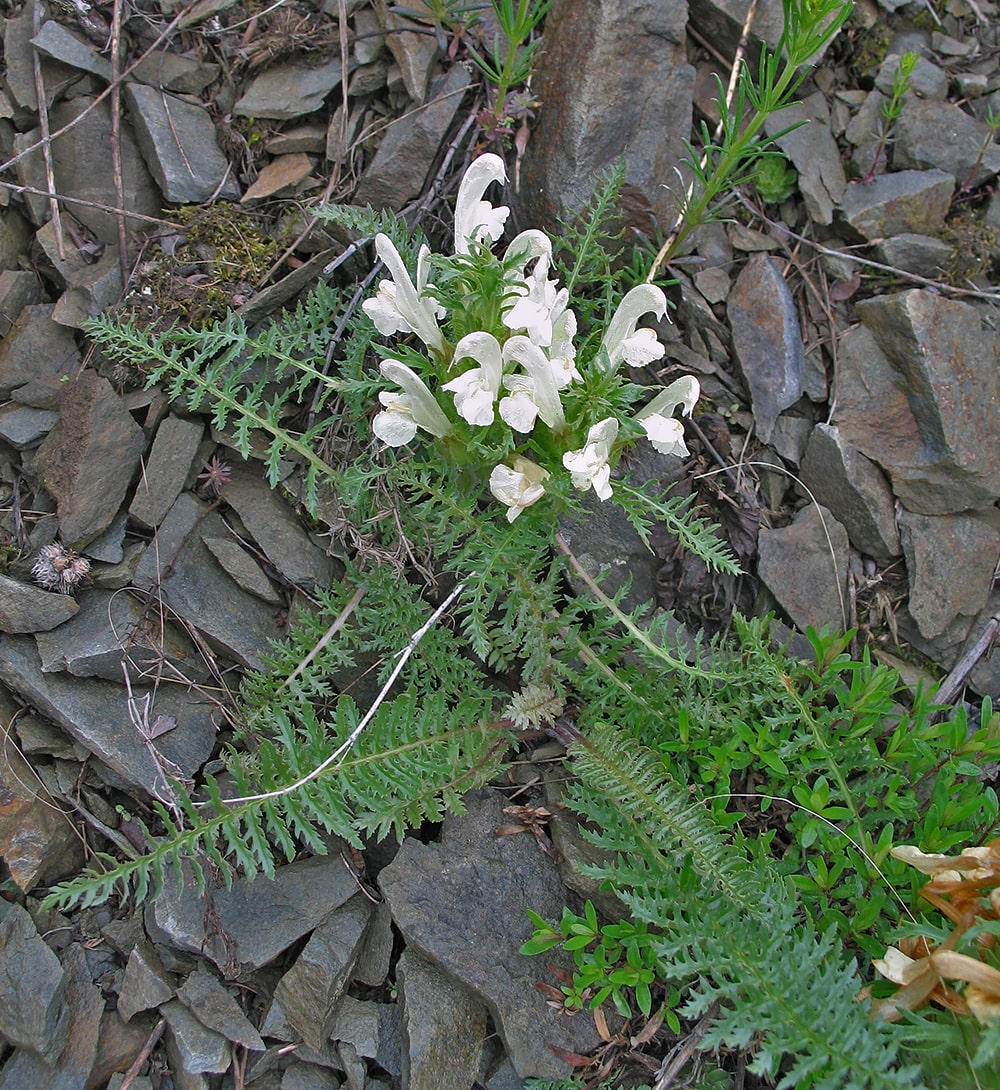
{"x":95,"y":714}
{"x":615,"y":79}
{"x":805,"y":574}
{"x":171,"y":456}
{"x":27,"y":608}
{"x":309,"y":992}
{"x":242,"y":568}
{"x":907,"y":201}
{"x":33,"y":1012}
{"x":253,"y":921}
{"x":950,"y":560}
{"x":766,"y":339}
{"x":814,"y":154}
{"x":276,"y":527}
{"x":35,"y":348}
{"x":287,"y":91}
{"x":145,"y":984}
{"x":919,"y":254}
{"x":18,"y":289}
{"x":399,"y":170}
{"x":196,"y":588}
{"x":193,"y":1048}
{"x":462,"y":902}
{"x":414,"y":52}
{"x":943,"y":136}
{"x":87,"y":463}
{"x":22,"y":427}
{"x":854,"y":489}
{"x":55,"y":41}
{"x":72,"y":1068}
{"x":444,"y":1025}
{"x":177,"y":138}
{"x":215,"y":1007}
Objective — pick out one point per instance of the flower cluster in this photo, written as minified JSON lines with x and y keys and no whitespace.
{"x":59,"y":569}
{"x":519,"y":362}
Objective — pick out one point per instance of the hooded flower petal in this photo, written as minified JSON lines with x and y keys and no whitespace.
{"x":426,"y":412}
{"x":477,"y":389}
{"x":475,"y":219}
{"x":590,"y":465}
{"x":394,"y":425}
{"x":622,"y":341}
{"x":518,"y":486}
{"x":665,"y":433}
{"x":519,"y":409}
{"x":398,"y":306}
{"x":546,"y":391}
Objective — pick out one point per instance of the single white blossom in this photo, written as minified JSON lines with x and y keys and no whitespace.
{"x":543,"y":389}
{"x":518,"y":409}
{"x":477,"y":389}
{"x":403,"y":413}
{"x":590,"y":465}
{"x":518,"y":485}
{"x":622,"y":341}
{"x":399,"y":306}
{"x":665,"y":433}
{"x":562,"y":351}
{"x":476,"y":220}
{"x":533,"y":308}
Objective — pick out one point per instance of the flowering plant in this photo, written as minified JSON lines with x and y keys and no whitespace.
{"x":496,"y":376}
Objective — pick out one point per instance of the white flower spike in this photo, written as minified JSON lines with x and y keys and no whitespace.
{"x":590,"y":466}
{"x":626,"y":344}
{"x":403,"y":413}
{"x":518,"y":486}
{"x":665,"y":433}
{"x":477,"y":220}
{"x":476,"y":389}
{"x":398,"y":307}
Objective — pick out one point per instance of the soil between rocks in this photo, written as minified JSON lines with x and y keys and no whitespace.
{"x":877,"y":385}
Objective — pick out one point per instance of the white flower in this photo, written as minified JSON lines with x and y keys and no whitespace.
{"x":518,"y":486}
{"x":399,"y":306}
{"x":562,"y":351}
{"x":518,"y":409}
{"x":477,"y":220}
{"x":665,"y":433}
{"x":542,"y":390}
{"x":476,"y":389}
{"x":403,"y":413}
{"x":590,"y":466}
{"x":533,"y":310}
{"x":622,"y":341}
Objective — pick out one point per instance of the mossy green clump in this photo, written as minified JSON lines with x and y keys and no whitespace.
{"x":870,"y":48}
{"x":775,"y":179}
{"x":972,"y":243}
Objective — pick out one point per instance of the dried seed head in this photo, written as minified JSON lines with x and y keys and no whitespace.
{"x":59,"y":569}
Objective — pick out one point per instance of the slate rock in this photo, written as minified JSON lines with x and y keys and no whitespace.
{"x":276,"y":528}
{"x":918,"y":254}
{"x":88,"y":461}
{"x":22,"y":427}
{"x":813,"y":152}
{"x":615,"y":79}
{"x":309,"y":992}
{"x":942,"y":135}
{"x":907,"y":201}
{"x":950,"y":364}
{"x":303,"y":1076}
{"x":90,"y":291}
{"x":35,"y":348}
{"x":854,"y":489}
{"x":95,"y":714}
{"x":199,"y":591}
{"x":18,"y":289}
{"x":55,"y":41}
{"x":192,"y":1047}
{"x":111,"y":629}
{"x":118,"y":1047}
{"x":927,"y":80}
{"x":721,"y":23}
{"x":414,"y":52}
{"x":766,"y":340}
{"x":444,"y":1026}
{"x":38,"y":842}
{"x":82,"y":167}
{"x":374,"y":1030}
{"x":950,"y":560}
{"x":175,"y":72}
{"x":166,"y":469}
{"x":282,"y":173}
{"x":399,"y":169}
{"x":177,"y":138}
{"x":243,"y":569}
{"x":462,"y":902}
{"x":33,"y":1011}
{"x":71,"y":1069}
{"x":286,"y":91}
{"x":215,"y":1008}
{"x":145,"y":985}
{"x":254,"y":921}
{"x":27,"y":608}
{"x":805,"y":565}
